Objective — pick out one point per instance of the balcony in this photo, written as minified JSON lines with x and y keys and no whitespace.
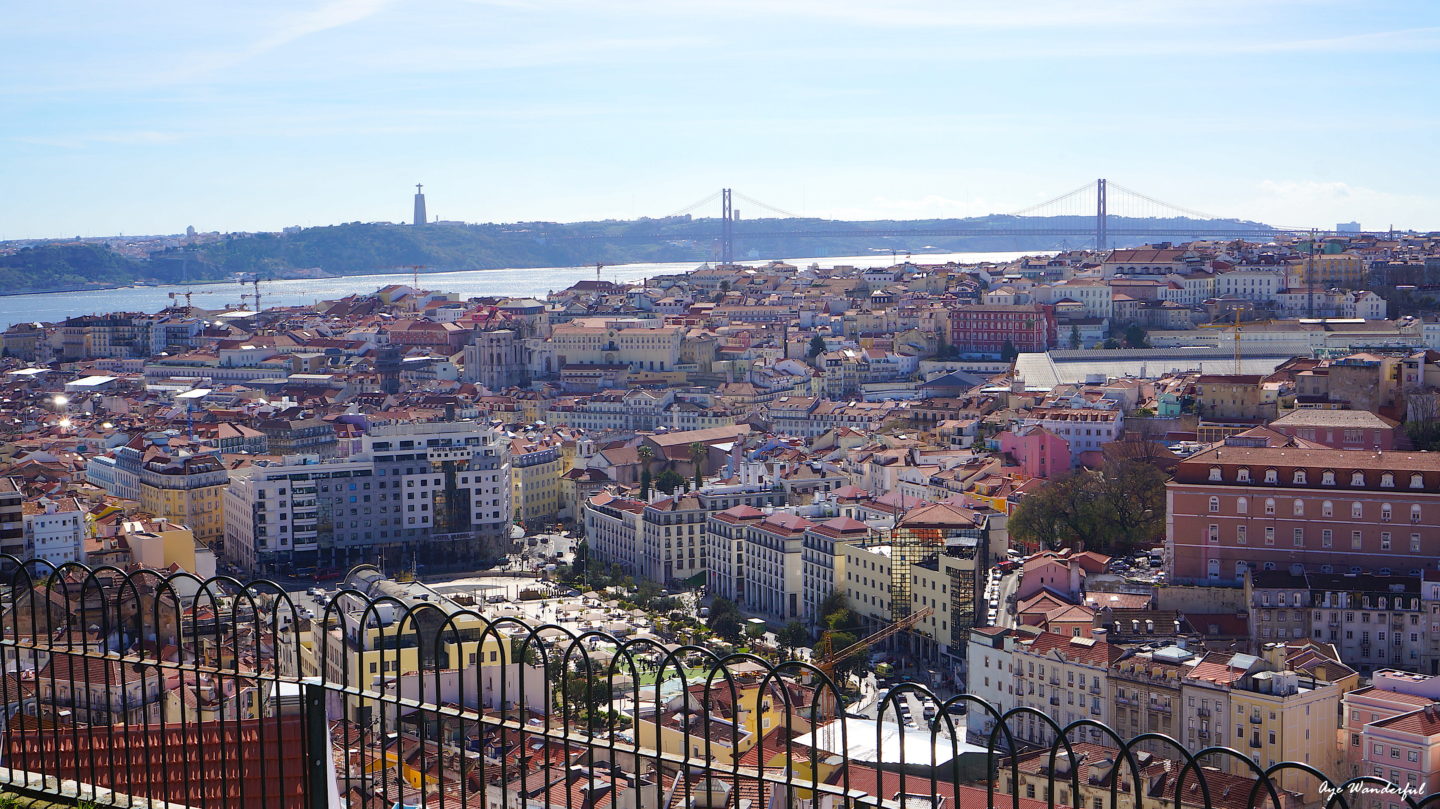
{"x":1202,"y":711}
{"x":1255,"y":719}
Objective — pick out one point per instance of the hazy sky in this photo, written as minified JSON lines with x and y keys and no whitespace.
{"x":145,"y":117}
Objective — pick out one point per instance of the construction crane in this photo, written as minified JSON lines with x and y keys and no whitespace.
{"x":415,"y":276}
{"x":256,"y":296}
{"x":1236,"y":334}
{"x":827,"y":662}
{"x":186,"y":295}
{"x":598,"y":268}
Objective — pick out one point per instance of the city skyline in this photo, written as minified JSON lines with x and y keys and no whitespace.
{"x":265,"y":117}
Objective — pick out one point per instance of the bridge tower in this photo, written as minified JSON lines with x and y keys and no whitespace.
{"x":727,"y":228}
{"x":1100,"y":215}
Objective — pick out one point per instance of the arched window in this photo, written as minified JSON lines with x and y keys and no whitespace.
{"x":1242,"y":505}
{"x":1382,"y":603}
{"x":1299,"y":507}
{"x":1215,"y":473}
{"x":1214,"y":505}
{"x":1357,"y":479}
{"x":1271,"y":476}
{"x":1384,"y":512}
{"x":1327,"y":509}
{"x":1243,"y":475}
{"x":1270,"y":505}
{"x":1387,"y":481}
{"x":1414,"y":515}
{"x":1327,"y":478}
{"x":1357,"y":510}
{"x":1417,"y":481}
{"x":1299,"y":476}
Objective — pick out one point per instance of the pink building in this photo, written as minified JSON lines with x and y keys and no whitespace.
{"x":1339,"y":429}
{"x":1037,"y":451}
{"x":1392,"y":731}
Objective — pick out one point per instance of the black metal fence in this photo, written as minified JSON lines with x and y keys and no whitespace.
{"x":141,"y":689}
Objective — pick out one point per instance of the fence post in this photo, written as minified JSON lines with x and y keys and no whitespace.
{"x":317,"y":746}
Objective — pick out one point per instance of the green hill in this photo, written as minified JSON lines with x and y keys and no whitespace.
{"x":359,"y":248}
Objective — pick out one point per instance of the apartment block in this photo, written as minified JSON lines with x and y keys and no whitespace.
{"x":436,"y":491}
{"x":1239,"y":506}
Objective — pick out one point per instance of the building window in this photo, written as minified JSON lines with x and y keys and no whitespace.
{"x":1215,"y":473}
{"x":1214,"y":505}
{"x":1269,"y":535}
{"x":1299,"y":476}
{"x":1214,"y":534}
{"x":1384,"y":512}
{"x":1327,"y":538}
{"x":1242,"y":505}
{"x":1243,"y":475}
{"x":1327,"y":478}
{"x":1384,"y":544}
{"x":1299,"y":507}
{"x":1327,"y":509}
{"x":1387,"y":481}
{"x":1415,"y":515}
{"x":1354,"y":539}
{"x":1299,"y":537}
{"x":1271,"y":476}
{"x":1357,"y":479}
{"x":1357,"y":510}
{"x":1417,"y":481}
{"x":1270,"y":506}
{"x":1414,"y":543}
{"x":1240,"y":535}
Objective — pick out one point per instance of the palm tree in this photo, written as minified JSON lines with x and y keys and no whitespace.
{"x":698,"y":453}
{"x":646,"y":453}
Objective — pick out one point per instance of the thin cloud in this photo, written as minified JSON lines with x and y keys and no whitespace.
{"x":291,"y":28}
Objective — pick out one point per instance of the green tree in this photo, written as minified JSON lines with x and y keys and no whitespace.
{"x":725,"y":619}
{"x":1111,"y":511}
{"x":817,"y":346}
{"x":1135,"y":337}
{"x":1074,"y":337}
{"x":669,"y":480}
{"x":645,"y":453}
{"x":755,"y":631}
{"x":698,"y":453}
{"x":793,"y":635}
{"x":1008,"y":352}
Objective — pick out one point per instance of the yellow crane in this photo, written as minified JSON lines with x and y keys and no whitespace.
{"x":830,"y":659}
{"x":1236,"y":335}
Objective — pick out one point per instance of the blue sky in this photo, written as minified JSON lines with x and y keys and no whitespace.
{"x":145,"y":117}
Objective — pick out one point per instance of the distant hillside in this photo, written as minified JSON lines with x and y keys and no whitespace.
{"x":358,"y":249}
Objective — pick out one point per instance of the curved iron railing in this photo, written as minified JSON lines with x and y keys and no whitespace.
{"x":127,"y":687}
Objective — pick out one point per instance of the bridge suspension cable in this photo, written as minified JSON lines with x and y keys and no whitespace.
{"x":1165,"y":206}
{"x":697,"y":204}
{"x":1085,"y":194}
{"x":771,"y":208}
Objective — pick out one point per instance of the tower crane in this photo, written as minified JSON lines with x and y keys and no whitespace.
{"x":831,"y":659}
{"x":186,"y":295}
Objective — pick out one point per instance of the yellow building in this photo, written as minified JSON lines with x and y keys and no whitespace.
{"x":1284,"y":716}
{"x":158,"y":544}
{"x":700,"y":722}
{"x":1333,"y":270}
{"x":536,"y":466}
{"x":367,"y":645}
{"x":186,"y":489}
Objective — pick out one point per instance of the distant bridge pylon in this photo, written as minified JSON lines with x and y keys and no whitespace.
{"x":1102,"y":201}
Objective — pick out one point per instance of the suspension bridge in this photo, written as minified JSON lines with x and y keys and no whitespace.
{"x":1103,"y":213}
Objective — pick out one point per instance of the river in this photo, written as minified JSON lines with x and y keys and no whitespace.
{"x":514,"y":283}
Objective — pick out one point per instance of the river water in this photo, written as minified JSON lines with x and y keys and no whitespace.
{"x":532,"y":282}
